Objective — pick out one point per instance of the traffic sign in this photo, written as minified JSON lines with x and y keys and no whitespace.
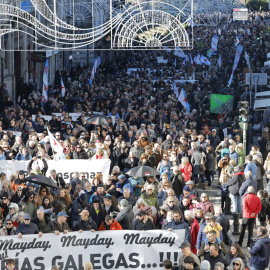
{"x":261,"y":78}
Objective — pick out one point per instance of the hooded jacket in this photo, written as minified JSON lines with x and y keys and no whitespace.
{"x":125,"y":217}
{"x":87,"y":225}
{"x":251,"y":204}
{"x":260,"y":255}
{"x":77,"y":207}
{"x":114,"y":226}
{"x":140,"y":226}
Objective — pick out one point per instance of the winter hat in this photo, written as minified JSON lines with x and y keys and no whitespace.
{"x":186,"y":188}
{"x":83,"y":197}
{"x":124,"y":202}
{"x":5,"y":195}
{"x":164,"y":207}
{"x":108,"y":197}
{"x":147,"y":208}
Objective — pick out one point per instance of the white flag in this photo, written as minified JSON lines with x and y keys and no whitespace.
{"x":197,"y":59}
{"x":204,"y":60}
{"x":179,"y":52}
{"x":247,"y":59}
{"x":219,"y":61}
{"x":175,"y":62}
{"x":56,"y":146}
{"x":236,"y":41}
{"x":175,"y":90}
{"x":63,"y":89}
{"x":183,"y":99}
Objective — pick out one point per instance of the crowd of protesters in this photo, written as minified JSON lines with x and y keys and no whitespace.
{"x":187,"y":148}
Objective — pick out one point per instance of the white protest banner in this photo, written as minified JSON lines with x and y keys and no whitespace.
{"x":160,"y":59}
{"x":9,"y":167}
{"x":65,"y":167}
{"x":74,"y":116}
{"x":129,"y":70}
{"x":16,"y":133}
{"x":106,"y":250}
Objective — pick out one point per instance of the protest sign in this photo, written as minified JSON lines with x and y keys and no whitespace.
{"x":74,"y":116}
{"x":106,"y":250}
{"x":65,"y":168}
{"x":15,"y":133}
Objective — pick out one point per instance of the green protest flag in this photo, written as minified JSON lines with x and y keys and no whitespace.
{"x":221,"y":103}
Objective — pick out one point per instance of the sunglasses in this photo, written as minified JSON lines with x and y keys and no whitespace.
{"x":166,"y":186}
{"x":237,"y":264}
{"x":171,"y":201}
{"x":44,"y":190}
{"x":4,"y":198}
{"x":31,"y":197}
{"x":9,"y":224}
{"x":19,"y":189}
{"x":207,"y":219}
{"x":27,"y":219}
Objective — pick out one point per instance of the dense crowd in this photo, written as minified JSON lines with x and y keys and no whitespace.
{"x":150,"y":128}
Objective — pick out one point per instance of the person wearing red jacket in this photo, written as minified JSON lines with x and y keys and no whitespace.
{"x":251,"y":207}
{"x":109,"y":224}
{"x":194,"y":229}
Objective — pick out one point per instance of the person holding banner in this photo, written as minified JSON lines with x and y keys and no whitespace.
{"x":143,"y":222}
{"x":109,"y":224}
{"x":85,"y":223}
{"x":27,"y":227}
{"x":59,"y":225}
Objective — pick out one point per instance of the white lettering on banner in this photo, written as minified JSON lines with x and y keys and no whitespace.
{"x":106,"y":250}
{"x":65,"y":168}
{"x":74,"y":116}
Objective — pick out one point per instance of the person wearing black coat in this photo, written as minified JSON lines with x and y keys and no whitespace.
{"x":79,"y":153}
{"x":177,"y":181}
{"x":109,"y":206}
{"x":41,"y":220}
{"x":235,"y":182}
{"x":143,"y":222}
{"x":210,"y":165}
{"x":214,"y":256}
{"x":97,"y":212}
{"x":130,"y":162}
{"x":79,"y":204}
{"x":224,"y":223}
{"x":85,"y":223}
{"x":260,"y":173}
